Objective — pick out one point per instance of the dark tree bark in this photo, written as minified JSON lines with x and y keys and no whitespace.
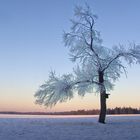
{"x":102,"y":115}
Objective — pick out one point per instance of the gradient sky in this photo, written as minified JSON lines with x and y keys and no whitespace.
{"x":31,"y":45}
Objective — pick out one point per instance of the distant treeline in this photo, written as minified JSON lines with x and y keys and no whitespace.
{"x":117,"y":110}
{"x":123,"y":110}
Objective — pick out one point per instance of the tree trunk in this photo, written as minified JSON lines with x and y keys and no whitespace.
{"x":102,"y":115}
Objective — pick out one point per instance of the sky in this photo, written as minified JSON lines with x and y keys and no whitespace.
{"x":31,"y":45}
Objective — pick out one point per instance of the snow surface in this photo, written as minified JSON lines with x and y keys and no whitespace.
{"x":23,"y":127}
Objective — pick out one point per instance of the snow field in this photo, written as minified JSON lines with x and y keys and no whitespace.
{"x":70,"y":128}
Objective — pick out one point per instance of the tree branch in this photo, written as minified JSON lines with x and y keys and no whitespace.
{"x":116,"y":57}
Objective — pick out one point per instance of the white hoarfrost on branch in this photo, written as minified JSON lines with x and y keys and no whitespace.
{"x":56,"y":89}
{"x":98,"y":67}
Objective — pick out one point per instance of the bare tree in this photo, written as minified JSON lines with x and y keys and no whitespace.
{"x":97,"y":69}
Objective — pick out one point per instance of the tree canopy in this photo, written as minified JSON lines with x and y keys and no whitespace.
{"x":91,"y":57}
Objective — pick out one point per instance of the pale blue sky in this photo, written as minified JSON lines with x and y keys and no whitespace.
{"x":31,"y":44}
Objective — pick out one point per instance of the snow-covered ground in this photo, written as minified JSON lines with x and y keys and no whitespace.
{"x":69,"y":128}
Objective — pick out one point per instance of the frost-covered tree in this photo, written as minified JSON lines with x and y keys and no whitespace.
{"x":97,"y":68}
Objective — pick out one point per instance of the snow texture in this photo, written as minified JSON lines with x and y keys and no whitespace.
{"x":69,"y":128}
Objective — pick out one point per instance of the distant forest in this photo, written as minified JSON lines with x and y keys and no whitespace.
{"x":117,"y":110}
